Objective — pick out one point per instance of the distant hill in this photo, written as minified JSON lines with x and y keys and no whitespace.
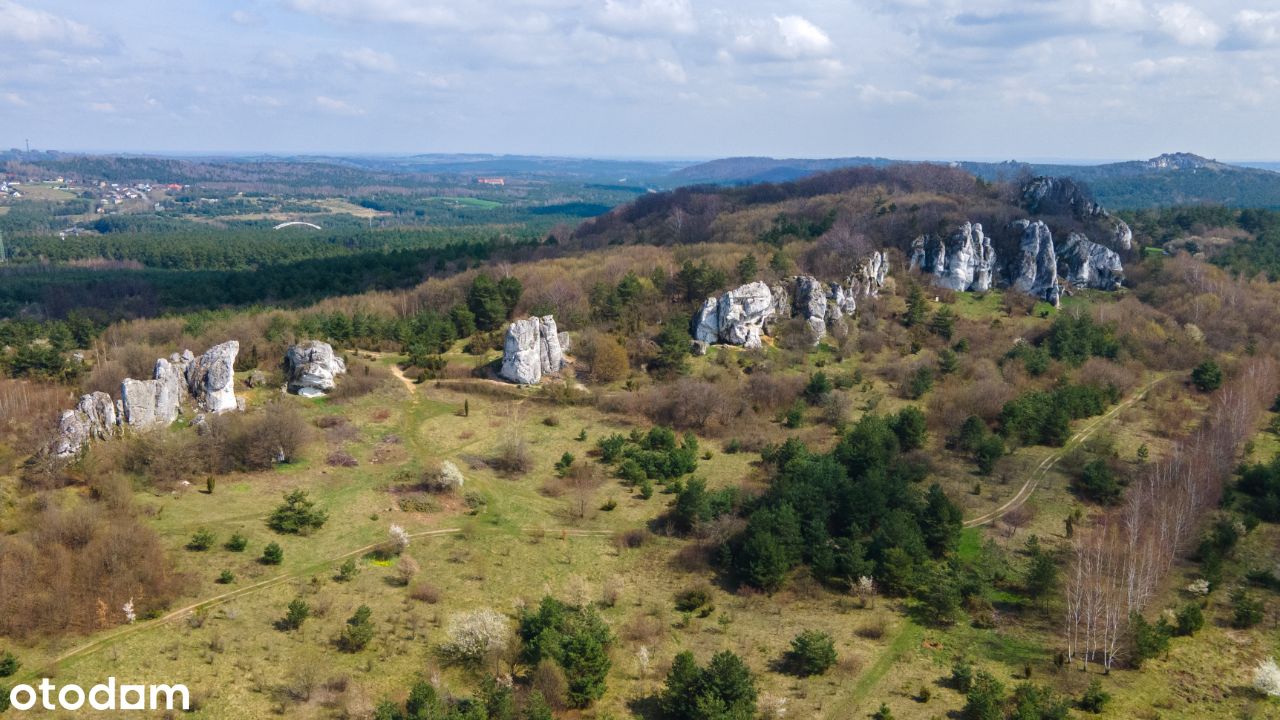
{"x":1163,"y":181}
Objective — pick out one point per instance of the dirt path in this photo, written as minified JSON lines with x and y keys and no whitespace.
{"x":409,"y":385}
{"x":1042,"y":470}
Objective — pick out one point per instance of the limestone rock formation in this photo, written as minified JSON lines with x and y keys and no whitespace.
{"x":1121,"y":236}
{"x":210,"y":378}
{"x":1051,"y":195}
{"x":530,"y":350}
{"x":155,"y":402}
{"x":811,"y":304}
{"x":311,"y":367}
{"x":1035,"y":270}
{"x":963,"y":261}
{"x":737,"y":317}
{"x":743,"y":315}
{"x":1084,"y":263}
{"x":94,"y":418}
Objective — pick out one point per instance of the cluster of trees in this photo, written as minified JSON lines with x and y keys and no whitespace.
{"x":644,"y":458}
{"x":723,"y":690}
{"x":1043,"y":417}
{"x":1118,"y":563}
{"x":573,"y":637}
{"x":30,"y":348}
{"x":856,"y":511}
{"x":495,"y":701}
{"x":1260,"y":484}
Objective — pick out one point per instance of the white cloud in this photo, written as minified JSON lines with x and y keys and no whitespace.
{"x":784,"y":38}
{"x":1252,"y":29}
{"x":14,"y":99}
{"x":336,"y":106}
{"x":265,"y":101}
{"x":873,"y":95}
{"x":102,"y":107}
{"x":645,"y":17}
{"x":1148,"y":68}
{"x":1188,"y":25}
{"x":673,"y":71}
{"x":1119,"y":14}
{"x":412,"y":12}
{"x":38,"y":27}
{"x":368,"y":60}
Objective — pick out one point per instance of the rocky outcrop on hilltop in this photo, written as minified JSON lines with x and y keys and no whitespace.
{"x":963,"y":261}
{"x":742,"y":316}
{"x":1084,"y":263}
{"x":1052,"y":195}
{"x":531,"y":349}
{"x":312,"y":368}
{"x":156,"y":402}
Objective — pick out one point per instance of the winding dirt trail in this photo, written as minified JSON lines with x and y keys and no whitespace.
{"x":1042,"y":470}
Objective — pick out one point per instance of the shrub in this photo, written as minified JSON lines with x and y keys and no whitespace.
{"x":918,"y":383}
{"x":272,"y":555}
{"x":1207,"y":376}
{"x":201,"y":541}
{"x":346,"y":571}
{"x":910,"y":427}
{"x":985,"y":699}
{"x":577,"y":639}
{"x":1094,"y":699}
{"x":1190,"y":619}
{"x":812,"y":653}
{"x":1098,"y":482}
{"x":475,"y":635}
{"x":694,"y":598}
{"x":818,"y":388}
{"x":1148,"y":640}
{"x":8,"y":664}
{"x":1246,"y":611}
{"x":962,"y":675}
{"x":226,"y":577}
{"x":341,"y":458}
{"x":297,"y":515}
{"x":1266,"y":678}
{"x":237,"y":543}
{"x":425,"y":592}
{"x":297,"y":612}
{"x":358,"y":632}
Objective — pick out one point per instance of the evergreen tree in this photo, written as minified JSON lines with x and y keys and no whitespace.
{"x":915,"y":306}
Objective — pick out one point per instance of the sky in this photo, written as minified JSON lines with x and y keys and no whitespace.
{"x":941,"y":79}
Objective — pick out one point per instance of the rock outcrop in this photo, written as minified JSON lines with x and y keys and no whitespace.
{"x":155,"y":402}
{"x":312,"y":367}
{"x":94,"y":418}
{"x":742,"y":316}
{"x":963,"y":261}
{"x":1035,"y":269}
{"x":1051,"y":195}
{"x":530,"y":350}
{"x":210,"y":378}
{"x":737,"y":317}
{"x":1084,"y":263}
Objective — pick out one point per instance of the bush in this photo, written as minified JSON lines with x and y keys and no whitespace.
{"x":341,"y":458}
{"x":261,"y":440}
{"x":272,"y":555}
{"x":910,"y":427}
{"x":694,"y":598}
{"x":425,"y":592}
{"x":201,"y":541}
{"x":346,"y":571}
{"x":297,"y":515}
{"x":1190,"y":619}
{"x":297,"y":612}
{"x":1266,"y":678}
{"x":358,"y":632}
{"x":918,"y":383}
{"x":577,"y":639}
{"x":8,"y":664}
{"x":237,"y":543}
{"x":226,"y":577}
{"x":1094,"y":699}
{"x":812,"y":653}
{"x":1098,"y":482}
{"x":962,"y":675}
{"x":1246,"y":611}
{"x":1148,"y":640}
{"x":985,"y":699}
{"x":1207,"y":376}
{"x":476,"y":635}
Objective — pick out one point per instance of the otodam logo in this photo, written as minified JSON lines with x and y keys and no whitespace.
{"x":103,"y":696}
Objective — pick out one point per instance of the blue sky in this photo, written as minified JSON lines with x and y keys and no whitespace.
{"x":994,"y":79}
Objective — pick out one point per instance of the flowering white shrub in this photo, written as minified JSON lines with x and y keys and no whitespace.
{"x":399,"y":538}
{"x":476,"y":634}
{"x":773,"y":707}
{"x":129,"y":615}
{"x":1199,"y":587}
{"x":1266,"y":678}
